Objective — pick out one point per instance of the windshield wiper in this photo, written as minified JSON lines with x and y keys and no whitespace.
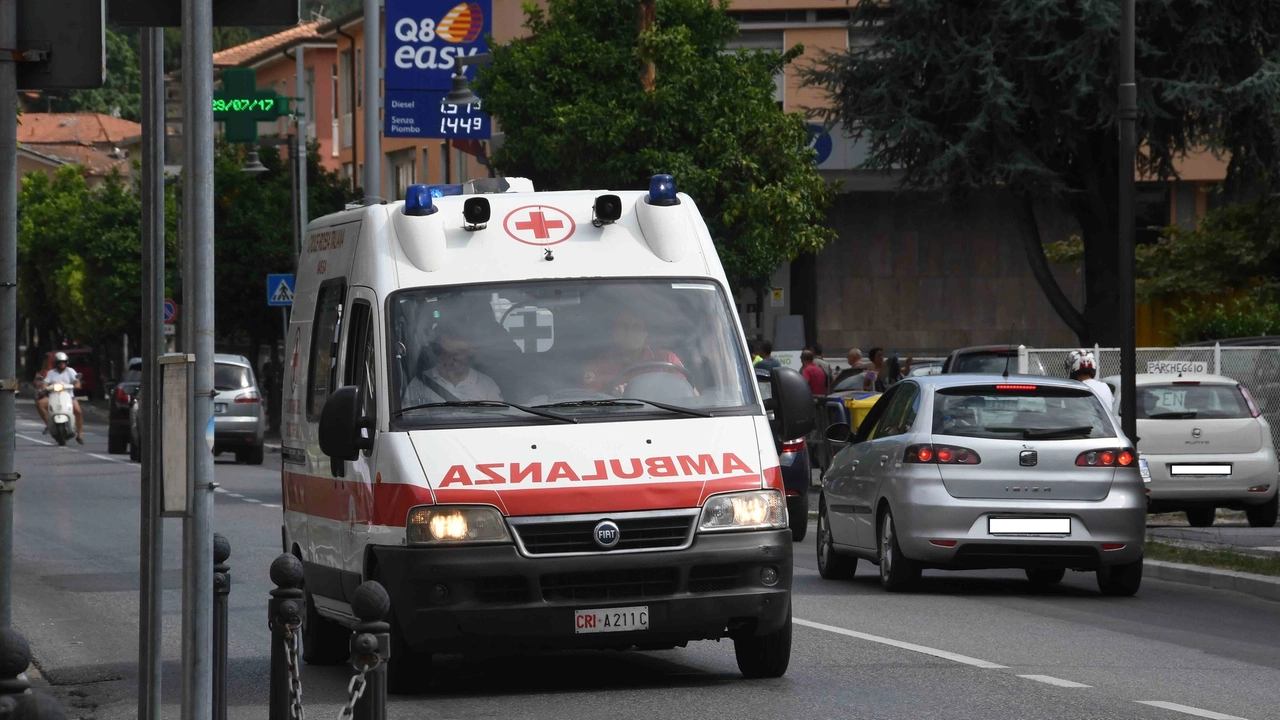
{"x":629,"y":402}
{"x":486,"y":403}
{"x":1184,"y":415}
{"x":1044,"y":434}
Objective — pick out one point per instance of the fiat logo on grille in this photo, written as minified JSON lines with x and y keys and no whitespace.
{"x":606,"y":534}
{"x":1195,"y":432}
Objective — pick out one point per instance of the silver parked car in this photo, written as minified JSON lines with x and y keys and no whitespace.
{"x":1206,"y":445}
{"x":238,"y":419}
{"x":978,"y":471}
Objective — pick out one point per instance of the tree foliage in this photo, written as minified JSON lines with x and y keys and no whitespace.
{"x":1023,"y":94}
{"x":253,"y":233}
{"x":575,"y":115}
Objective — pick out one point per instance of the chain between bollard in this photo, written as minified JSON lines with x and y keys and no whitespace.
{"x":367,"y":645}
{"x":292,"y":649}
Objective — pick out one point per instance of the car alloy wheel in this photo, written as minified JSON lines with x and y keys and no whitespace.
{"x":897,"y":571}
{"x":831,"y":564}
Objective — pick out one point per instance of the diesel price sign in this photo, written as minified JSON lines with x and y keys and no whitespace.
{"x":424,"y":39}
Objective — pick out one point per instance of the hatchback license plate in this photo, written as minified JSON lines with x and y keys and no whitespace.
{"x":623,"y":619}
{"x":1029,"y":526}
{"x":219,"y":407}
{"x":1223,"y":470}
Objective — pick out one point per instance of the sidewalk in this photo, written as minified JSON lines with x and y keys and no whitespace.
{"x":1230,"y":532}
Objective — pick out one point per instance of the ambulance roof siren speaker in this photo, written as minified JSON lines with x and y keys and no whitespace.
{"x":607,"y":210}
{"x":475,"y":213}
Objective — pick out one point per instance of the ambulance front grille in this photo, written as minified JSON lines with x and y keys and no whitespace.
{"x":637,"y":532}
{"x":610,"y":584}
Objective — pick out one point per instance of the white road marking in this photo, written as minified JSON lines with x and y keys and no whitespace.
{"x":235,"y":495}
{"x":218,"y":489}
{"x":34,"y":440}
{"x":1188,"y":710}
{"x":252,"y":500}
{"x":108,"y":458}
{"x":963,"y":659}
{"x":271,"y":505}
{"x":1048,"y":679}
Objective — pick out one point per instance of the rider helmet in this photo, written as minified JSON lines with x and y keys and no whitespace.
{"x":60,"y":357}
{"x":1079,"y":361}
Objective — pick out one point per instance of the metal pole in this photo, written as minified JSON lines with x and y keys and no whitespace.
{"x":372,"y":102}
{"x":447,"y":160}
{"x":151,"y":529}
{"x":300,"y":85}
{"x":8,"y":296}
{"x":293,"y":188}
{"x":1128,"y":128}
{"x":197,"y":597}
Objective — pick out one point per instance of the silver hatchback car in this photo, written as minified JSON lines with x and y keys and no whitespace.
{"x":238,"y":419}
{"x":979,"y":471}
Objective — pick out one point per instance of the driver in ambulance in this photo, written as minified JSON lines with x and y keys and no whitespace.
{"x":452,"y":378}
{"x":629,"y":347}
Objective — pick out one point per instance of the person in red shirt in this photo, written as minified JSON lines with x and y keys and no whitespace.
{"x":630,"y":347}
{"x":813,"y":374}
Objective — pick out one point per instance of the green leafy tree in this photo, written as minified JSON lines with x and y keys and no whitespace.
{"x":575,"y":114}
{"x":121,"y":93}
{"x":253,"y":234}
{"x":1021,"y":94}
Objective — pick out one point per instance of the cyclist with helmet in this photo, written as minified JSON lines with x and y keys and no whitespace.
{"x":1082,"y":366}
{"x":60,"y":373}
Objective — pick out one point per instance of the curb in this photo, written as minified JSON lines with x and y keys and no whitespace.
{"x":1262,"y":586}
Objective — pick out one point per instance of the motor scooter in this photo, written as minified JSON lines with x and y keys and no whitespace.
{"x":61,"y":413}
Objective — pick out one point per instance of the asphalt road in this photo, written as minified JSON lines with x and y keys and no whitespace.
{"x":967,"y":645}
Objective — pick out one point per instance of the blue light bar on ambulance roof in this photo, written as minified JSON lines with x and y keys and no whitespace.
{"x":662,"y":191}
{"x":417,"y":201}
{"x":439,"y":191}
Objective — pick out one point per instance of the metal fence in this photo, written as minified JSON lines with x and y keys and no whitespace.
{"x":1256,"y":368}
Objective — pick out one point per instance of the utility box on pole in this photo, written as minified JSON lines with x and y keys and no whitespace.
{"x":72,"y":36}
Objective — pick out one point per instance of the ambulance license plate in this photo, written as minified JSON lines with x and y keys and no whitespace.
{"x":219,"y":407}
{"x":623,"y":619}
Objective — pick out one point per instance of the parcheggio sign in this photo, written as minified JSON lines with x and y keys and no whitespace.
{"x":425,"y":38}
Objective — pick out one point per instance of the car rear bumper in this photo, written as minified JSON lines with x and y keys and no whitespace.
{"x":238,"y":431}
{"x":1249,"y":472}
{"x":931,"y":514}
{"x":455,"y":599}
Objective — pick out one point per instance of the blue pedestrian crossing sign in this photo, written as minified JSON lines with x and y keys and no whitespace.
{"x":280,"y":290}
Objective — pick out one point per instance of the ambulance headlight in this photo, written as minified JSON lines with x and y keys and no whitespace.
{"x":455,"y":524}
{"x":751,"y":510}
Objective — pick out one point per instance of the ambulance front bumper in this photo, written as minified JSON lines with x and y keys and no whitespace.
{"x":472,"y":598}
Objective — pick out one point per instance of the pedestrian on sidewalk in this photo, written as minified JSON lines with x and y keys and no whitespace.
{"x":856,"y":365}
{"x":820,"y":361}
{"x":813,"y":374}
{"x":767,"y":360}
{"x":878,"y":377}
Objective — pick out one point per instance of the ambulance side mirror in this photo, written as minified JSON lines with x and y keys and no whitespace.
{"x":793,"y":411}
{"x":340,"y":426}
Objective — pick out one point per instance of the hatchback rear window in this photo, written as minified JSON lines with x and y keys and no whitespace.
{"x":231,"y":377}
{"x":1026,"y":412}
{"x":1191,"y":402}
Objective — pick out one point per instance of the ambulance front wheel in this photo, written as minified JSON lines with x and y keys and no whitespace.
{"x":764,"y":656}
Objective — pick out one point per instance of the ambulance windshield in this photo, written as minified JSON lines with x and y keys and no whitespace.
{"x":590,"y":350}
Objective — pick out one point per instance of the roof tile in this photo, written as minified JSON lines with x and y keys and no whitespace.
{"x":250,"y":51}
{"x":74,"y":128}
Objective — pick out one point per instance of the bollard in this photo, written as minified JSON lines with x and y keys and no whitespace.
{"x":15,"y":657}
{"x":221,"y":589}
{"x":284,"y":618}
{"x":370,"y":649}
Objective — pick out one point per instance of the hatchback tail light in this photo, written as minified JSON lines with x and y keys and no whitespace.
{"x":122,"y":397}
{"x":793,"y":446}
{"x":1248,"y":399}
{"x":249,"y":397}
{"x":1107,"y":457}
{"x":941,"y":454}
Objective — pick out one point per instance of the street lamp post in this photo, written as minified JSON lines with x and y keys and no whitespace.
{"x":461,"y":94}
{"x":1128,"y":129}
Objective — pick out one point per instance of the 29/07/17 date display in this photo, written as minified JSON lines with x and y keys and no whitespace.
{"x":623,"y":619}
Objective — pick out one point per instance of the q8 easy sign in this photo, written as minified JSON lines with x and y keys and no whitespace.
{"x":426,"y":37}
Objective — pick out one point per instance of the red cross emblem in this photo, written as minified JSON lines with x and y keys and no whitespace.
{"x":539,"y":225}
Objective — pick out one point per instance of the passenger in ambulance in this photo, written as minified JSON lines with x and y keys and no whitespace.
{"x":629,"y":354}
{"x":451,"y":378}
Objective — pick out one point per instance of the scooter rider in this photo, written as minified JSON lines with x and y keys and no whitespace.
{"x":60,"y":373}
{"x":1082,"y":366}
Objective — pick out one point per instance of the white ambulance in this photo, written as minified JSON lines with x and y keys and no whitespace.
{"x":532,"y":417}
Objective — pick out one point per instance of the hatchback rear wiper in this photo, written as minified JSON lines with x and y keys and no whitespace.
{"x":1045,"y":434}
{"x":629,"y":402}
{"x":486,"y":403}
{"x":1184,"y":415}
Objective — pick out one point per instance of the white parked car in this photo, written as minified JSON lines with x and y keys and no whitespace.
{"x":1207,"y":446}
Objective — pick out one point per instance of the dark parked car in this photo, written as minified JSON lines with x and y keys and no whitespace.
{"x":118,"y":431}
{"x":796,"y":478}
{"x":989,"y":360}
